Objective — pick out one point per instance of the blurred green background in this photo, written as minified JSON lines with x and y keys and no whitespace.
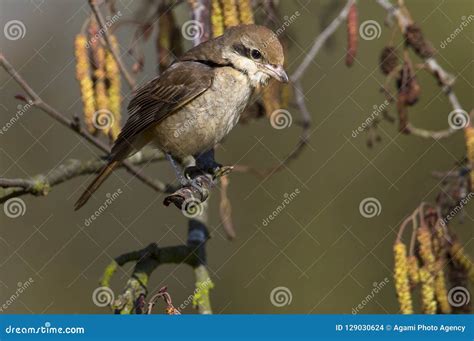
{"x":319,"y":247}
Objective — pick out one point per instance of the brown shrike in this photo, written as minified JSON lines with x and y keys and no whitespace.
{"x":195,"y":103}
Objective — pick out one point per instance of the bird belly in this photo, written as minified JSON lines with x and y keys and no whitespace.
{"x":206,"y":120}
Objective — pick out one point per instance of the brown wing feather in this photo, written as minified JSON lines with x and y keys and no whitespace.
{"x":153,"y":102}
{"x":159,"y":98}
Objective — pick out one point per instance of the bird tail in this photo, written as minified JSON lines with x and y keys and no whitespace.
{"x":103,"y":175}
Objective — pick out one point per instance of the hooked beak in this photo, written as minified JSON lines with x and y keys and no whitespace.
{"x":277,"y":72}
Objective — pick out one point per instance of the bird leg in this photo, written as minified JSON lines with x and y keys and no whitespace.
{"x":177,"y":169}
{"x":197,"y":180}
{"x":184,"y":178}
{"x":206,"y":164}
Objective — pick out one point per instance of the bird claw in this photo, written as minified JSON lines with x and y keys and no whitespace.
{"x":222,"y":171}
{"x":193,"y":171}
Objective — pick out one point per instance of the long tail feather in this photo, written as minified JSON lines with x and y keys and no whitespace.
{"x":103,"y":175}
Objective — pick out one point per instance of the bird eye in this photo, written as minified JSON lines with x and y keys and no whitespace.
{"x":255,"y":54}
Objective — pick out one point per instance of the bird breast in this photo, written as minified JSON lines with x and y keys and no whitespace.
{"x":203,"y":122}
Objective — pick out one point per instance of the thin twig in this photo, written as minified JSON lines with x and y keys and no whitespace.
{"x":445,"y":79}
{"x":41,"y":184}
{"x":38,"y":102}
{"x":100,"y":19}
{"x":320,"y":40}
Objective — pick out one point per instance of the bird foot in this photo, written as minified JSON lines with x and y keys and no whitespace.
{"x":193,"y":171}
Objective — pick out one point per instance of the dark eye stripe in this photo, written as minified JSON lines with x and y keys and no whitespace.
{"x":242,"y":50}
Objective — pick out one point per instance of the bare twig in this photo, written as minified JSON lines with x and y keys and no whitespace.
{"x":320,"y":40}
{"x":40,"y":184}
{"x":100,"y":19}
{"x":445,"y":79}
{"x":38,"y":102}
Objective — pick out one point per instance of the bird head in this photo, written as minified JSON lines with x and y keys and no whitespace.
{"x":256,"y":51}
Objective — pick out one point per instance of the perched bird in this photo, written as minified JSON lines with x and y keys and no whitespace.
{"x":194,"y":103}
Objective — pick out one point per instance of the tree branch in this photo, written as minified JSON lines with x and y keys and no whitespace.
{"x":445,"y":79}
{"x":38,"y":102}
{"x":41,"y":184}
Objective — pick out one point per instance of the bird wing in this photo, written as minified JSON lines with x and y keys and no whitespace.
{"x":159,"y":98}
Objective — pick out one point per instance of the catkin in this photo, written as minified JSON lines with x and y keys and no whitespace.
{"x":217,"y":19}
{"x":458,"y":254}
{"x":113,"y":77}
{"x":413,"y":270}
{"x":245,"y":12}
{"x":441,"y":291}
{"x":231,"y":16}
{"x":469,"y":135}
{"x":426,"y":248}
{"x":85,"y":81}
{"x":427,"y":291}
{"x":401,"y":278}
{"x":101,"y":97}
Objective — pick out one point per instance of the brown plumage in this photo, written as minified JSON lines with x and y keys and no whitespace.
{"x":196,"y":102}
